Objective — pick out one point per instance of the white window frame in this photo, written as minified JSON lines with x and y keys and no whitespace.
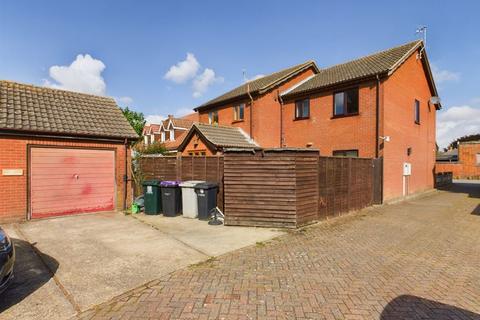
{"x":172,"y":134}
{"x":478,"y":159}
{"x":162,"y":136}
{"x":145,"y":139}
{"x":152,"y":138}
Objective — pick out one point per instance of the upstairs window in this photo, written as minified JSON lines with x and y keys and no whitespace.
{"x":416,"y":110}
{"x":345,"y":103}
{"x":478,"y":159}
{"x":172,"y":134}
{"x":162,"y":136}
{"x":345,"y":153}
{"x":213,"y":117}
{"x":302,"y":109}
{"x":239,"y":112}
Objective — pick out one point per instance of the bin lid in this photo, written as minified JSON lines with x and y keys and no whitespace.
{"x":190,"y":183}
{"x":151,"y":183}
{"x":169,"y":183}
{"x":206,"y":185}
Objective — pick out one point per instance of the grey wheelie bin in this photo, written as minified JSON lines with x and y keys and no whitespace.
{"x":171,"y":198}
{"x":207,"y":199}
{"x":189,"y":198}
{"x":152,"y":197}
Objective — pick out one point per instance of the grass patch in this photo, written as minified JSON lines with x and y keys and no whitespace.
{"x":204,"y":264}
{"x":260,"y":244}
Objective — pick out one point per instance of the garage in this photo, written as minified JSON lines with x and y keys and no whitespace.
{"x":61,"y":153}
{"x":67,"y":181}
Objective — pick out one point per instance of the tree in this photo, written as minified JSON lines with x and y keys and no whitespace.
{"x":136,"y":119}
{"x":454,"y":143}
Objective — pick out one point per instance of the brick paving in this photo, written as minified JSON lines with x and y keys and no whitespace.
{"x":415,"y":260}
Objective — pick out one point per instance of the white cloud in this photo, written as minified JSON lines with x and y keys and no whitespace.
{"x":184,"y":70}
{"x":258,"y":76}
{"x":443,"y":75}
{"x":456,"y":122}
{"x":82,"y":75}
{"x":203,"y":81}
{"x":183,"y":112}
{"x":155,"y":118}
{"x":124,"y":100}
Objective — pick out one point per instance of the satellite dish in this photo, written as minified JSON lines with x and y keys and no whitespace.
{"x":435,"y":100}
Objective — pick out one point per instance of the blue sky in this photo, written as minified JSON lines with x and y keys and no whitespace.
{"x":132,"y":46}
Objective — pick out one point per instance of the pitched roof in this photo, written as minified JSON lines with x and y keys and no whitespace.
{"x":173,"y":145}
{"x":260,"y":85}
{"x":154,"y":128}
{"x":194,"y":116}
{"x":220,"y":136}
{"x":383,"y":62}
{"x":30,"y":108}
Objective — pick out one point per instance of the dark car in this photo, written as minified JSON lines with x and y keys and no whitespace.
{"x":7,"y":259}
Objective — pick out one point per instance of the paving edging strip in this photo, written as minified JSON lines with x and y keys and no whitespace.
{"x":62,"y":288}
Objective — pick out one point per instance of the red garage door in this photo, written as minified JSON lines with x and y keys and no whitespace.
{"x":69,"y":181}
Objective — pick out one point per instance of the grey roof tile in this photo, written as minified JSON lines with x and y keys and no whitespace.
{"x":37,"y":109}
{"x":258,"y":85}
{"x":222,"y":136}
{"x":377,"y":63}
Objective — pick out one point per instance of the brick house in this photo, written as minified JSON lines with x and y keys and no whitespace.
{"x":381,"y":105}
{"x":62,"y":153}
{"x":170,"y":131}
{"x":466,"y":164}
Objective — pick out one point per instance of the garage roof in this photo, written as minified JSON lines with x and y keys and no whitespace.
{"x":30,"y":108}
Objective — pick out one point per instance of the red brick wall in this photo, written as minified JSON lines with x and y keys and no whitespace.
{"x":13,"y":189}
{"x":266,"y":114}
{"x":197,"y":145}
{"x":405,"y":85}
{"x":466,"y":167}
{"x":327,"y":134}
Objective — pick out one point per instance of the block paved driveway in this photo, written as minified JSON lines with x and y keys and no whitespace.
{"x":415,"y":260}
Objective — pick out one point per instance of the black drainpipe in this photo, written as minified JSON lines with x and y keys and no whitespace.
{"x":125,"y":177}
{"x":281,"y":118}
{"x":377,"y":116}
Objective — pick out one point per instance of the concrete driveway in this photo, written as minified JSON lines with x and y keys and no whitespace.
{"x":67,"y":265}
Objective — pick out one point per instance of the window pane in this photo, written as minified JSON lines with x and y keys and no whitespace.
{"x":215,"y":117}
{"x":298,"y":107}
{"x":478,"y":158}
{"x":351,"y":153}
{"x":239,"y":112}
{"x":306,"y":108}
{"x":339,"y":103}
{"x":417,"y":111}
{"x":352,"y":101}
{"x":345,"y":153}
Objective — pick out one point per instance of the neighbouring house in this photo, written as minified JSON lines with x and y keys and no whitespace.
{"x":208,"y":140}
{"x":450,"y":155}
{"x":379,"y":106}
{"x":170,"y":131}
{"x":466,"y":165}
{"x":62,"y":153}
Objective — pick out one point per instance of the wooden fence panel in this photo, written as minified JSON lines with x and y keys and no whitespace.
{"x":260,"y":189}
{"x":306,"y":187}
{"x":277,"y":189}
{"x":344,"y":184}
